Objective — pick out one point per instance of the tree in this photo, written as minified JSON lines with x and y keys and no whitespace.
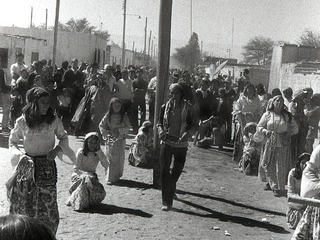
{"x":189,"y":55}
{"x":258,"y":51}
{"x":82,"y":25}
{"x":309,"y":38}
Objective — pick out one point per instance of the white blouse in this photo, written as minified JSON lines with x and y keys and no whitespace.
{"x":40,"y":140}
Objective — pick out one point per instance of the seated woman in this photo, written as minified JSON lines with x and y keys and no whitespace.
{"x":309,"y":225}
{"x":86,"y":190}
{"x":294,"y":185}
{"x":141,"y":152}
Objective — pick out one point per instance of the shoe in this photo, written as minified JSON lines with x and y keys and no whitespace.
{"x":166,"y":208}
{"x":276,"y":193}
{"x":109,"y":183}
{"x":267,"y":187}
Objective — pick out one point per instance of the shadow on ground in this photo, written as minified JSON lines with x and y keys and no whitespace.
{"x":106,"y":209}
{"x":230,"y":202}
{"x":247,"y":222}
{"x":141,"y":185}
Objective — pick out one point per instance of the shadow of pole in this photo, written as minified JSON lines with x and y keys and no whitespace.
{"x":247,"y":222}
{"x":141,"y":185}
{"x":230,"y":202}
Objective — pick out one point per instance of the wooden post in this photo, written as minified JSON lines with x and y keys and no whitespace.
{"x":162,"y":76}
{"x":124,"y":33}
{"x":304,"y":201}
{"x":55,"y":35}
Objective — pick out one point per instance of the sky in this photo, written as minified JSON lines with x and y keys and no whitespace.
{"x":212,"y":20}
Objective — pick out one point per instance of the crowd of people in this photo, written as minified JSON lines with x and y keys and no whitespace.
{"x":272,"y":134}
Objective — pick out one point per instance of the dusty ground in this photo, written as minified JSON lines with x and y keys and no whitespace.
{"x":211,"y":191}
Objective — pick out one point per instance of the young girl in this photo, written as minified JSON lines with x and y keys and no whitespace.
{"x":113,"y":127}
{"x":251,"y":151}
{"x":141,"y":152}
{"x":296,"y":210}
{"x":86,"y":190}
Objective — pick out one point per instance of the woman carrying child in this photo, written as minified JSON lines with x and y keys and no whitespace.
{"x":141,"y":152}
{"x":113,"y":127}
{"x":86,"y":190}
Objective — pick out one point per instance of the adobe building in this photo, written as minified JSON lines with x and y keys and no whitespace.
{"x":37,"y":44}
{"x":295,"y":66}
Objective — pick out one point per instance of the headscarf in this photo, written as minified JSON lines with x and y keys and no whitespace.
{"x":174,"y":86}
{"x":90,"y":134}
{"x":35,"y":93}
{"x":271,"y":102}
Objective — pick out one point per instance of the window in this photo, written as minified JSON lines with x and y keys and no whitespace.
{"x":34,"y":56}
{"x":4,"y":57}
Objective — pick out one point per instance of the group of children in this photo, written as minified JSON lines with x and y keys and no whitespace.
{"x":86,"y":190}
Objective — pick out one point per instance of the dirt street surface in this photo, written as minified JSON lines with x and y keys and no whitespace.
{"x":213,"y":198}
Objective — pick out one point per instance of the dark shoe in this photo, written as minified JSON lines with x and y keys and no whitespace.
{"x":276,"y":193}
{"x":267,"y":187}
{"x":166,"y":208}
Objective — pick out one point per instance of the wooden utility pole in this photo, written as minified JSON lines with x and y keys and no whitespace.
{"x":55,"y":35}
{"x":46,"y":25}
{"x":162,"y":75}
{"x":145,"y":42}
{"x":124,"y":33}
{"x":31,"y":17}
{"x":149,"y":48}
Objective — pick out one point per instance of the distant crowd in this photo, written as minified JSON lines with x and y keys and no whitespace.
{"x":272,"y":135}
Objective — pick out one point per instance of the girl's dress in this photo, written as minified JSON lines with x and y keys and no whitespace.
{"x":295,"y":211}
{"x":32,"y":189}
{"x":141,"y":152}
{"x":86,"y":190}
{"x":113,"y":131}
{"x":276,"y":156}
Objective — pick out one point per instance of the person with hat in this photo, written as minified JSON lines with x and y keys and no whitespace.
{"x":176,"y":124}
{"x":36,"y":170}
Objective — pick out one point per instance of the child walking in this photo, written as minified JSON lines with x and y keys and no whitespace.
{"x":113,"y":127}
{"x":86,"y":190}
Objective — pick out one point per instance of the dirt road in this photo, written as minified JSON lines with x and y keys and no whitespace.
{"x":213,"y":197}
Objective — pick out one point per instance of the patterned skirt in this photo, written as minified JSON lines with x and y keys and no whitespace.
{"x":309,"y":227}
{"x":85,"y":191}
{"x":294,"y":216}
{"x":27,"y":198}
